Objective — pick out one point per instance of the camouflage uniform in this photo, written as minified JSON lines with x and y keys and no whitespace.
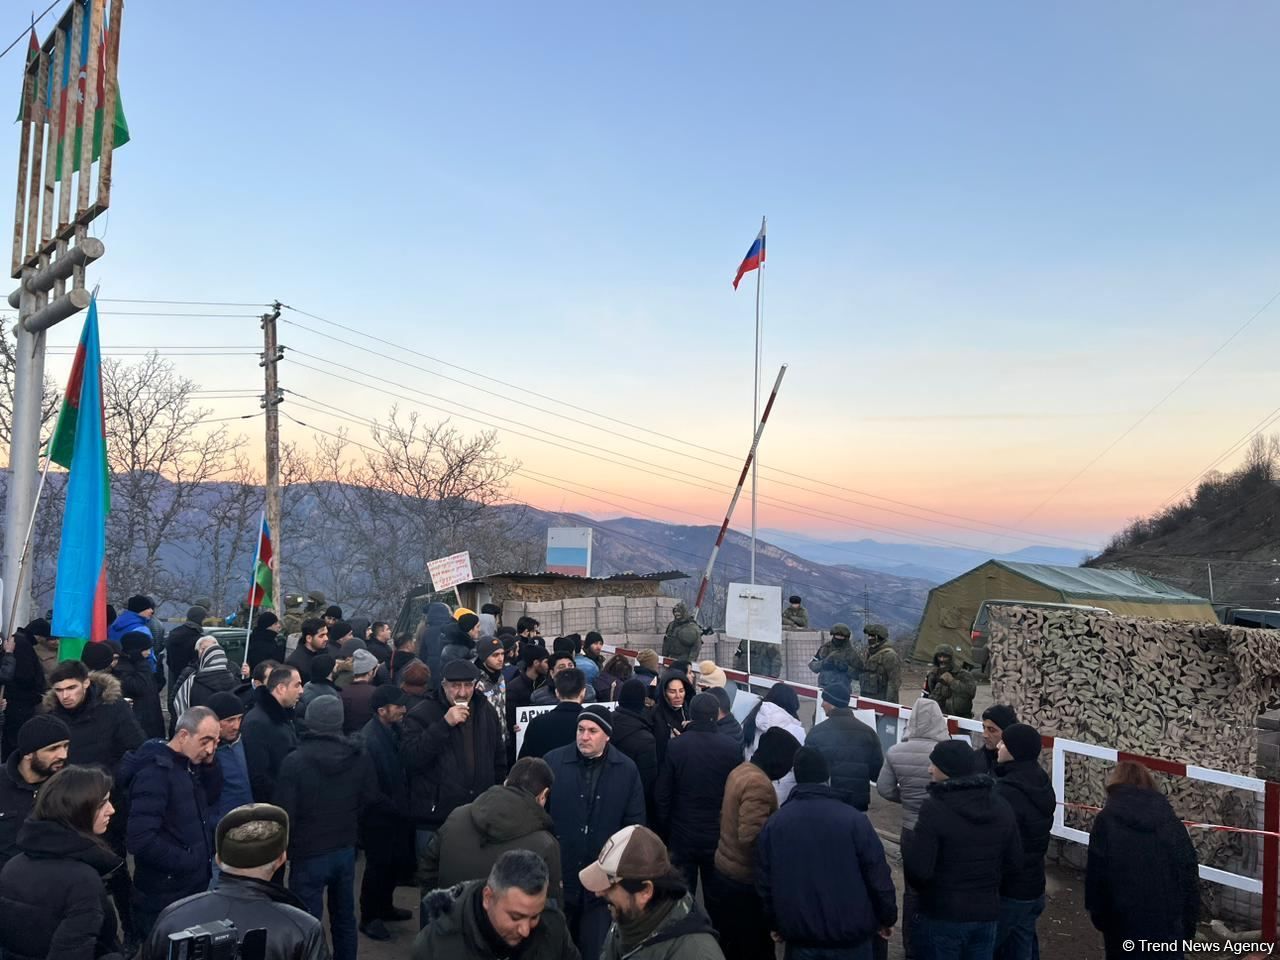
{"x":291,"y":622}
{"x":766,"y":658}
{"x":880,"y":675}
{"x":683,"y":638}
{"x":795,"y":618}
{"x":954,"y":696}
{"x":838,"y":658}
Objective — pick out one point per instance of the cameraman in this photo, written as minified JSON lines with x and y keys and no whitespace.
{"x":251,"y":842}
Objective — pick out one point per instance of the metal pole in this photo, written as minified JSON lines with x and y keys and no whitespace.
{"x":1210,"y":566}
{"x":271,"y":400}
{"x":755,"y":415}
{"x":23,"y":565}
{"x":253,"y":590}
{"x":737,"y":492}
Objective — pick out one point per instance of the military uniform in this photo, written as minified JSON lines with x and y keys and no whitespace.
{"x":795,"y":618}
{"x":954,"y":696}
{"x":882,"y":668}
{"x":291,"y":622}
{"x":683,"y":638}
{"x":838,"y":659}
{"x":766,"y":658}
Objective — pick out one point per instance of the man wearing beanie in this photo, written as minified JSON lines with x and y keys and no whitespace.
{"x":324,"y":786}
{"x":690,"y":790}
{"x":821,"y":870}
{"x":357,"y":696}
{"x":137,"y":616}
{"x":459,"y":638}
{"x":994,"y":720}
{"x":266,"y":641}
{"x":138,"y":681}
{"x":490,"y":659}
{"x":236,"y":790}
{"x":40,"y":752}
{"x":591,"y":660}
{"x":851,"y":748}
{"x":251,"y":847}
{"x":1022,"y":782}
{"x":964,"y":842}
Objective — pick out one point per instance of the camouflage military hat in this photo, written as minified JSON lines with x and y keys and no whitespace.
{"x":315,"y":596}
{"x":876,"y":630}
{"x":841,"y":630}
{"x":292,"y":600}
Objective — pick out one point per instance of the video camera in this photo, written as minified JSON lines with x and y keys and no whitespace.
{"x":217,"y":940}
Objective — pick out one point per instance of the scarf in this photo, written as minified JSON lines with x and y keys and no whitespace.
{"x":635,"y":930}
{"x":215,"y":658}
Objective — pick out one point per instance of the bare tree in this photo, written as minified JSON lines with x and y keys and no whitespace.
{"x":49,"y":399}
{"x":224,"y":527}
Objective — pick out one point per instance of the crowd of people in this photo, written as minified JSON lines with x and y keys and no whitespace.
{"x":656,"y":812}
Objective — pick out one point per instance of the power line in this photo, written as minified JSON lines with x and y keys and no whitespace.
{"x":182,"y":303}
{"x":1261,"y":425}
{"x":27,"y":32}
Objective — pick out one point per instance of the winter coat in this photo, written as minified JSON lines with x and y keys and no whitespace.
{"x":731,"y":728}
{"x":292,"y":933}
{"x":690,"y":788}
{"x":852,"y":750}
{"x":684,"y":934}
{"x":214,"y":674}
{"x":557,"y":727}
{"x":1141,"y":882}
{"x":127,"y":622}
{"x":138,"y":683}
{"x":266,"y":644}
{"x":585,"y":821}
{"x":430,"y":642}
{"x":881,"y":672}
{"x":633,"y":735}
{"x":955,"y":696}
{"x":301,"y":659}
{"x":180,"y":651}
{"x":17,"y":797}
{"x":449,"y":766}
{"x":590,"y":668}
{"x":494,"y":688}
{"x":665,"y":717}
{"x":23,"y":692}
{"x":236,"y":791}
{"x":386,"y":832}
{"x":986,"y":760}
{"x":771,"y":715}
{"x":312,"y":691}
{"x":324,"y":786}
{"x":837,"y":659}
{"x":821,"y":872}
{"x":103,"y":727}
{"x":1028,"y":791}
{"x":905,"y":778}
{"x":520,"y":690}
{"x":454,"y":930}
{"x":53,"y":901}
{"x":545,"y":695}
{"x":682,"y":640}
{"x":795,"y":618}
{"x":170,"y":832}
{"x":607,"y":686}
{"x":474,"y":836}
{"x":964,"y":842}
{"x":269,"y":736}
{"x":357,"y":706}
{"x":455,"y":644}
{"x":749,"y":802}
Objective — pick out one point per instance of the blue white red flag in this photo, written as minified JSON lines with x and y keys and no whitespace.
{"x":753,"y":259}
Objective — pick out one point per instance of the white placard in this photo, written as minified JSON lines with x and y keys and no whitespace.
{"x":525,"y":714}
{"x":754,"y":613}
{"x":447,"y":572}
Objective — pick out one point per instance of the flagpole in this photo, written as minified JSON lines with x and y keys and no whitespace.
{"x":253,"y":588}
{"x":755,"y":405}
{"x":22,"y":557}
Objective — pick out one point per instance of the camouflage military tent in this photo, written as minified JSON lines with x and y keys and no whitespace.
{"x":952,"y":606}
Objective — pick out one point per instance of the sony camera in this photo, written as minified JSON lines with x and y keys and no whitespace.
{"x":217,"y":940}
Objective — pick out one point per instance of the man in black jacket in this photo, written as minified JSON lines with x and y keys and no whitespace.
{"x":633,"y":735}
{"x":103,"y":727}
{"x":1022,"y":782}
{"x":851,"y":748}
{"x":690,"y":790}
{"x":138,"y":681}
{"x":41,"y":751}
{"x":964,"y":842}
{"x":386,"y":832}
{"x":251,"y":848}
{"x":324,"y":786}
{"x":268,"y":732}
{"x":994,"y":720}
{"x":313,"y":642}
{"x":528,"y":679}
{"x":558,"y":726}
{"x":24,"y":689}
{"x":180,"y":647}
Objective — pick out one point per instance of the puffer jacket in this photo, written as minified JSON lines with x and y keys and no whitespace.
{"x":52,"y":898}
{"x":430,"y":642}
{"x":852,"y":750}
{"x":904,"y":778}
{"x":1027,"y":789}
{"x":103,"y":727}
{"x":452,"y":930}
{"x":684,"y":934}
{"x":475,"y":835}
{"x":127,"y":622}
{"x":690,"y":790}
{"x":749,"y":802}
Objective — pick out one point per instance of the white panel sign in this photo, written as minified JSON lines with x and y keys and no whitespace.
{"x":447,"y":572}
{"x":754,"y":613}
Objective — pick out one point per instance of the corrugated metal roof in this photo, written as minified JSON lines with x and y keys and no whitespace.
{"x":1091,"y":582}
{"x":546,"y":577}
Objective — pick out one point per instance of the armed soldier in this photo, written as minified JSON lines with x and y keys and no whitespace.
{"x":795,"y":617}
{"x":950,"y":684}
{"x":838,"y":659}
{"x":683,"y":638}
{"x":882,"y":668}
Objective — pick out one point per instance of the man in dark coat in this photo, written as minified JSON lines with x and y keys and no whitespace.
{"x":268,"y":731}
{"x":964,"y":842}
{"x":994,"y":720}
{"x":429,"y":641}
{"x":180,"y":646}
{"x":210,"y":673}
{"x":633,"y":735}
{"x":386,"y":832}
{"x":138,"y":681}
{"x":851,"y":748}
{"x":459,"y":639}
{"x":820,"y":867}
{"x":25,"y":688}
{"x":528,"y":679}
{"x":558,"y":726}
{"x":379,"y":642}
{"x":266,"y":641}
{"x":1022,"y":782}
{"x":103,"y":727}
{"x":41,"y":751}
{"x":597,"y":792}
{"x":172,"y":788}
{"x":313,"y":642}
{"x":690,"y":790}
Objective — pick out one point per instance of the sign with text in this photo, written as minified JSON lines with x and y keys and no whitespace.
{"x":447,"y":572}
{"x":754,"y":612}
{"x":525,"y":714}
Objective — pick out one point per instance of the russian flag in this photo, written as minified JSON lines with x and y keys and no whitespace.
{"x":753,"y":259}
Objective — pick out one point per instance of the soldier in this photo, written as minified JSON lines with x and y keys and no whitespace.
{"x":838,"y":659}
{"x":882,"y":667}
{"x":683,"y":639}
{"x":294,"y":604}
{"x":795,"y":617}
{"x":766,"y":658}
{"x":950,"y":684}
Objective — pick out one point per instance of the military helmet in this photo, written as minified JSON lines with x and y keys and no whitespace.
{"x":315,"y":596}
{"x":680,"y":610}
{"x":841,"y":630}
{"x":876,"y":631}
{"x":202,"y":602}
{"x":292,"y":600}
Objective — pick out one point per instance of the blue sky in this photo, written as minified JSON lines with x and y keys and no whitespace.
{"x":998,"y":233}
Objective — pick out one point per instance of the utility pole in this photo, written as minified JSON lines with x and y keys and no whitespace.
{"x":1210,"y":566}
{"x":272,"y":397}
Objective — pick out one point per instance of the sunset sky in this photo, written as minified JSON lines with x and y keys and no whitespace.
{"x":999,"y":235}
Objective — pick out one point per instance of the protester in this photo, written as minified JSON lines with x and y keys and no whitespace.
{"x":655,"y":916}
{"x":37,"y":633}
{"x":212,"y":674}
{"x":683,"y":637}
{"x":268,"y":731}
{"x":1026,"y":788}
{"x":256,"y":679}
{"x":648,"y":667}
{"x":821,"y":871}
{"x":950,"y":684}
{"x":379,"y":642}
{"x":459,"y":638}
{"x":100,"y":657}
{"x":138,"y":682}
{"x":613,"y":674}
{"x":591,"y":660}
{"x":530,"y":676}
{"x":180,"y":647}
{"x":488,"y":616}
{"x":1141,"y":882}
{"x":137,"y":616}
{"x":490,"y":659}
{"x":52,"y":898}
{"x":266,"y":641}
{"x":312,"y":643}
{"x":172,"y":788}
{"x":332,"y":614}
{"x":357,"y":696}
{"x":850,"y":747}
{"x":24,"y":690}
{"x":671,"y":711}
{"x":558,"y":726}
{"x":386,"y":832}
{"x":236,"y":790}
{"x":779,"y":708}
{"x":994,"y":720}
{"x":726,"y":723}
{"x":251,"y":849}
{"x":690,"y":790}
{"x":557,"y":663}
{"x":507,"y":817}
{"x":324,"y":786}
{"x":965,"y":840}
{"x":596,"y":792}
{"x":40,"y":752}
{"x":430,"y":642}
{"x":416,"y":682}
{"x":633,"y":735}
{"x":320,"y":684}
{"x":504,"y":915}
{"x":103,"y":727}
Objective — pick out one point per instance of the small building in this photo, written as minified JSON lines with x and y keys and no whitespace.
{"x":952,"y":606}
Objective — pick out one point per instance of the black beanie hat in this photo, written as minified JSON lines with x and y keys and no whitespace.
{"x":39,"y":627}
{"x":486,"y":648}
{"x":334,"y":611}
{"x":135,"y":641}
{"x":267,"y":619}
{"x":42,"y":730}
{"x":599,"y":715}
{"x":1021,"y":740}
{"x":811,"y":766}
{"x":196,"y":615}
{"x":139,"y":602}
{"x":704,"y":707}
{"x":322,"y":666}
{"x":263,"y":846}
{"x":226,"y":705}
{"x":97,"y":656}
{"x":631,"y":695}
{"x":592,"y":637}
{"x":953,"y":757}
{"x":531,"y":653}
{"x":1001,"y":715}
{"x":468,"y":622}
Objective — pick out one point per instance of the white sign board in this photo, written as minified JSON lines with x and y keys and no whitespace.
{"x":754,"y":613}
{"x":447,"y":572}
{"x":525,"y":714}
{"x":569,"y":551}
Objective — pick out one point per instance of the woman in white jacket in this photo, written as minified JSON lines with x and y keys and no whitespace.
{"x":780,"y":708}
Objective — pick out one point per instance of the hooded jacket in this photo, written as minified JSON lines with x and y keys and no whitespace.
{"x":456,"y":928}
{"x":852,"y":750}
{"x":667,"y":718}
{"x":138,"y":683}
{"x":964,"y":842}
{"x":170,"y":827}
{"x":904,"y":778}
{"x":1026,"y":788}
{"x":471,"y":839}
{"x":324,"y":786}
{"x":265,"y":644}
{"x":683,"y":934}
{"x":456,"y":644}
{"x":53,"y":899}
{"x":430,"y":642}
{"x":690,"y":789}
{"x":749,"y":802}
{"x":269,"y":736}
{"x":212,"y":675}
{"x":103,"y":728}
{"x":127,"y":622}
{"x":771,"y":715}
{"x":293,"y":934}
{"x":1141,"y":882}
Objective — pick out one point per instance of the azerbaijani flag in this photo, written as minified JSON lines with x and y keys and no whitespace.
{"x":260,"y":587}
{"x":33,"y":53}
{"x":753,"y":259}
{"x":79,"y":443}
{"x":58,"y":116}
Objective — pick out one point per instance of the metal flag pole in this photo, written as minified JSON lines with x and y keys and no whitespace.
{"x":755,"y":411}
{"x":9,"y":626}
{"x":253,"y":589}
